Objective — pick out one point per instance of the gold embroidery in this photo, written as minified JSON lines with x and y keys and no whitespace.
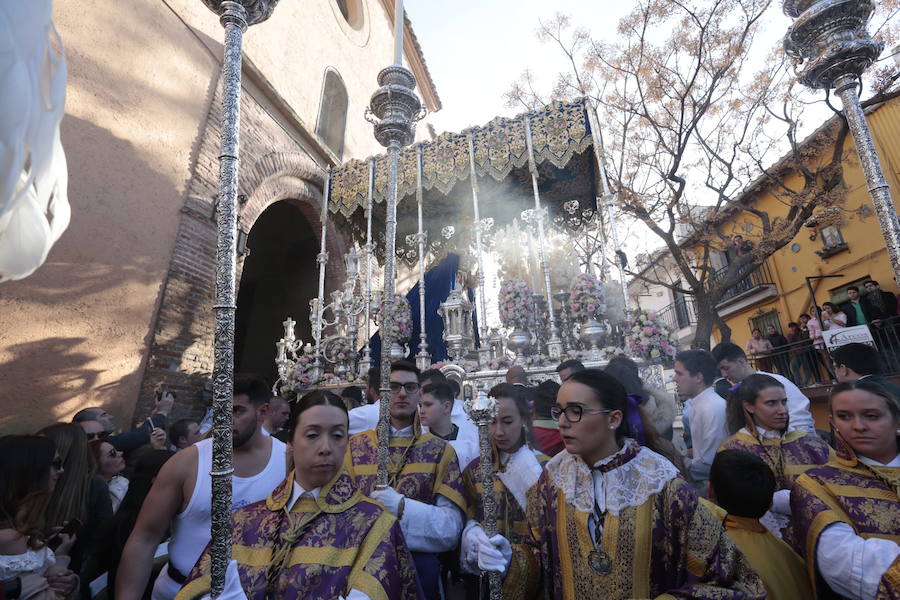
{"x":642,"y":550}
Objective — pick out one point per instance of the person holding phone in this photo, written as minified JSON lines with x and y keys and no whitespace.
{"x":32,"y":565}
{"x":152,"y":431}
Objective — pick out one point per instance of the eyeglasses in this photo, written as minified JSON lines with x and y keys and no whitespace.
{"x":98,"y":435}
{"x":410,"y":387}
{"x":574,"y":412}
{"x":57,"y":464}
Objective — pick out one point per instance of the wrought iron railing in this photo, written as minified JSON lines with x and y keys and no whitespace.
{"x":805,"y":364}
{"x":758,"y":277}
{"x":680,"y":313}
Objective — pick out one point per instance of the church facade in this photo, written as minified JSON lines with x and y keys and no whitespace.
{"x":124,"y":301}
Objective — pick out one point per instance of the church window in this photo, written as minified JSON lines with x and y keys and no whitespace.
{"x":332,"y":121}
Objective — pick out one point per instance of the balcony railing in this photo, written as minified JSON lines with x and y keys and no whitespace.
{"x":679,"y":314}
{"x":805,"y":364}
{"x":757,"y":278}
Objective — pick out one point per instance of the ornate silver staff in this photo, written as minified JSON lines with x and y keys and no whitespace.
{"x":235,"y":16}
{"x":831,"y":35}
{"x":483,"y":410}
{"x":396,"y":108}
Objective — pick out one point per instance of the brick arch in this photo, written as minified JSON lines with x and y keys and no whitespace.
{"x":294,"y":178}
{"x":181,"y":342}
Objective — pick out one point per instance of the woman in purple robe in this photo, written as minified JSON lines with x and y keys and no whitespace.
{"x":316,"y":537}
{"x":759,"y":421}
{"x":516,"y":467}
{"x":846,"y":514}
{"x":613,"y":519}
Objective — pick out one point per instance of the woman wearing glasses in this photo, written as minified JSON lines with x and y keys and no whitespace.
{"x":109,"y":464}
{"x":615,"y":520}
{"x":80,"y":495}
{"x":846,"y":513}
{"x":516,"y":468}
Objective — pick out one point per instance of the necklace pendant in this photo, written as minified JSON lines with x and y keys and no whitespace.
{"x":600,"y":562}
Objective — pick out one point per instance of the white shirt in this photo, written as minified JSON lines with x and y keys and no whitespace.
{"x":798,"y":404}
{"x":708,"y":431}
{"x":853,"y":566}
{"x":429,"y":528}
{"x":365,"y":417}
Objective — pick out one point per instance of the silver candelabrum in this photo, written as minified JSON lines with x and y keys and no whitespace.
{"x":830,"y":37}
{"x":346,"y":306}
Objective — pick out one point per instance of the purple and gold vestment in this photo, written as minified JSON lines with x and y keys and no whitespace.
{"x":670,"y":546}
{"x":426,"y":469}
{"x":846,"y":490}
{"x":327,"y":546}
{"x":788,"y":456}
{"x":522,"y":580}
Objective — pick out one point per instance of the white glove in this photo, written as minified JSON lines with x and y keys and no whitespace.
{"x":233,"y":589}
{"x":390,"y":498}
{"x":494,"y":554}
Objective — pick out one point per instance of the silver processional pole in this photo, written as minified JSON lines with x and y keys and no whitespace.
{"x":396,"y":108}
{"x":483,"y":410}
{"x":831,"y":36}
{"x":235,"y":16}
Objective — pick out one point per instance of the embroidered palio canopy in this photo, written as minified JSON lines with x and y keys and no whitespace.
{"x":568,"y":181}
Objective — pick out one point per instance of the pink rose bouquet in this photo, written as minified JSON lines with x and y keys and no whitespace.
{"x":586,"y":298}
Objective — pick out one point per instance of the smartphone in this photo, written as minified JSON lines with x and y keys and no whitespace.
{"x":72,"y":527}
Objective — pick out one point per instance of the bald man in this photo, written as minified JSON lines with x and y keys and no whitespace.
{"x":516,"y":376}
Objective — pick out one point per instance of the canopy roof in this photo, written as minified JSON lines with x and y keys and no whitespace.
{"x":567,"y":171}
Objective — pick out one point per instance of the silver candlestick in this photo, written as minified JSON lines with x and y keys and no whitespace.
{"x":235,"y":16}
{"x":831,"y":37}
{"x":394,"y":110}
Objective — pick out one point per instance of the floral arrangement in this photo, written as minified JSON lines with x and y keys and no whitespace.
{"x":516,"y":304}
{"x":340,"y":349}
{"x":586,"y":298}
{"x":301,"y":376}
{"x":649,"y":338}
{"x":400,"y":328}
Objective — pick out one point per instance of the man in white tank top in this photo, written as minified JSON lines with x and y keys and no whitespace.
{"x":182,"y":495}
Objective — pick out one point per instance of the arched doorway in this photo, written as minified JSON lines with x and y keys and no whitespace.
{"x":277,"y":281}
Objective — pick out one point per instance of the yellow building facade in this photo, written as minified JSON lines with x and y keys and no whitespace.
{"x":840,"y":255}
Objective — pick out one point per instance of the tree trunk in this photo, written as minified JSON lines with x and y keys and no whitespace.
{"x":706,"y":317}
{"x":724,"y":329}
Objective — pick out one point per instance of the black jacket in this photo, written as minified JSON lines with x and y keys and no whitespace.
{"x":874,"y":312}
{"x":847,"y":309}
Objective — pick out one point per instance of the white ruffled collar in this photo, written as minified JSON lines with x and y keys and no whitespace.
{"x":38,"y":561}
{"x":641,"y":474}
